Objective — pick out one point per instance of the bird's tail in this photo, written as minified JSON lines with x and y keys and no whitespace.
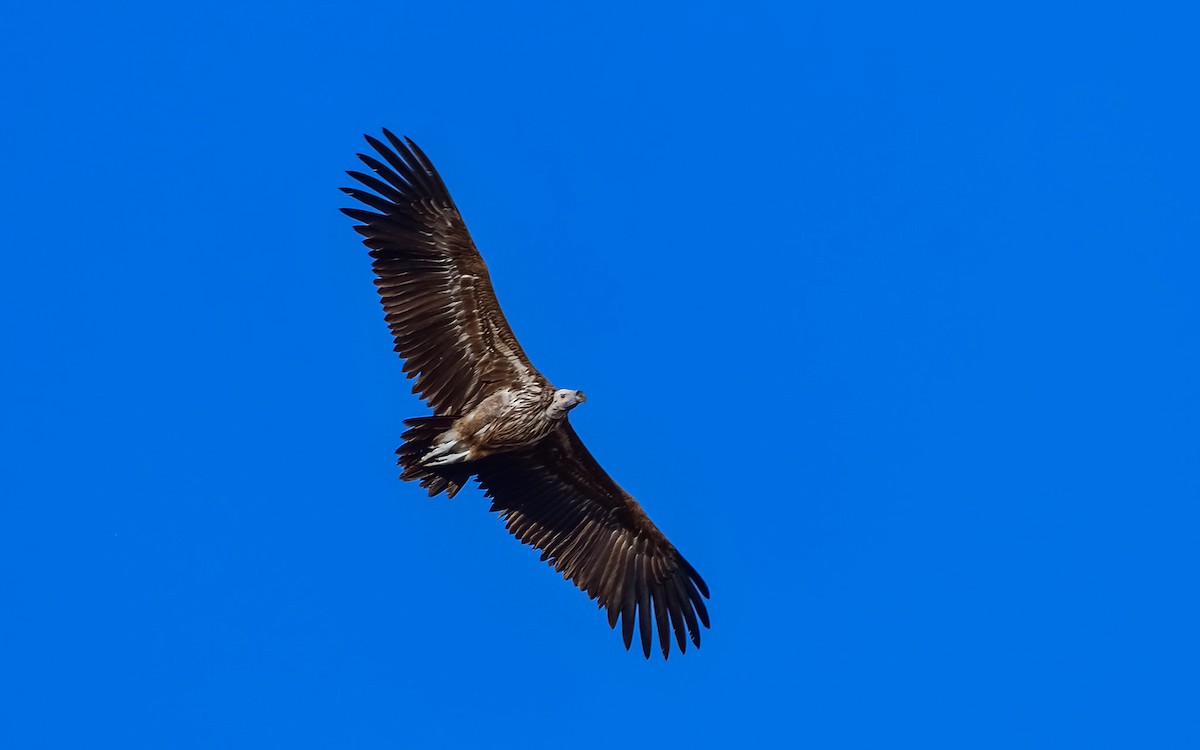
{"x":421,"y":439}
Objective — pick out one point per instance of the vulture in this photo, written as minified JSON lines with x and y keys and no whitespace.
{"x":497,"y":419}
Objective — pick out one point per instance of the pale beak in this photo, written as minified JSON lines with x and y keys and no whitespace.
{"x":581,"y":396}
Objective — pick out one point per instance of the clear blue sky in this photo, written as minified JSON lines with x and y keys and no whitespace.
{"x":888,"y":313}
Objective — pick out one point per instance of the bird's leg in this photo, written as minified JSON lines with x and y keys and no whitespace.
{"x":442,"y":455}
{"x":449,"y":459}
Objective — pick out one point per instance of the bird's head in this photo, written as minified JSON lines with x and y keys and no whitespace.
{"x":566,"y":399}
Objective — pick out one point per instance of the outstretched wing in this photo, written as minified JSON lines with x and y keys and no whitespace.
{"x":434,"y":285}
{"x":556,"y":498}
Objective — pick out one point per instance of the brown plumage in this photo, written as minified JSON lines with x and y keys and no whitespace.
{"x":498,"y":419}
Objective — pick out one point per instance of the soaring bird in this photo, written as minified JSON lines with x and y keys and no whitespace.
{"x":499,"y":420}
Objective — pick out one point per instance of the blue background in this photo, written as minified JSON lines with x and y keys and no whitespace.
{"x":888,"y":313}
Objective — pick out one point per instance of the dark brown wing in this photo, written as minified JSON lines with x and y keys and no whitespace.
{"x":434,"y":285}
{"x":557,"y":498}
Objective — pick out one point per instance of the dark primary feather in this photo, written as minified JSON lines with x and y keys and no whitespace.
{"x":556,"y":498}
{"x":434,"y":285}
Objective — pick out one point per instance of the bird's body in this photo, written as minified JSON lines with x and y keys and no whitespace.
{"x":508,"y":419}
{"x":499,"y":420}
